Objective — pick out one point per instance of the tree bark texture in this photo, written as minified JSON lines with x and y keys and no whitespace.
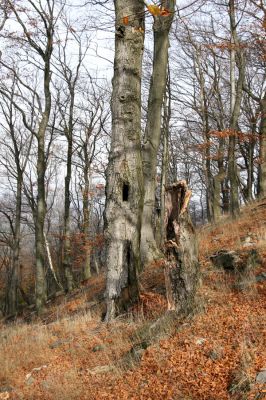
{"x":165,"y":155}
{"x":124,"y":189}
{"x":181,"y":250}
{"x":161,"y":28}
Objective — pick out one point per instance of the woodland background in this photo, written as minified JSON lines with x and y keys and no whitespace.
{"x":55,"y":94}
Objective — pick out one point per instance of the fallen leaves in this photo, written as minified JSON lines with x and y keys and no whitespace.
{"x":224,"y":340}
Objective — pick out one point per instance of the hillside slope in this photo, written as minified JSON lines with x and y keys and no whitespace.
{"x":216,"y":353}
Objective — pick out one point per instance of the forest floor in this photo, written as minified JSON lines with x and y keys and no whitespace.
{"x":216,"y":354}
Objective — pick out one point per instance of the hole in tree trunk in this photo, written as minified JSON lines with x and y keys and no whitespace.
{"x":125,"y":191}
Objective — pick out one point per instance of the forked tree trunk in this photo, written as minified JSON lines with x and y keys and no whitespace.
{"x":181,"y":250}
{"x":124,"y":189}
{"x":161,"y":28}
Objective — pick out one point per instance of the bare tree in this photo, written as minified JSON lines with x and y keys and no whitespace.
{"x":42,"y":18}
{"x":18,"y":152}
{"x":70,"y":76}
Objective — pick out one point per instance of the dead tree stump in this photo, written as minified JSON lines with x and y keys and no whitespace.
{"x":181,"y":250}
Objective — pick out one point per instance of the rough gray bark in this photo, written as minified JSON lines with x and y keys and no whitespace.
{"x":124,"y":189}
{"x":181,"y":250}
{"x":161,"y":28}
{"x":165,"y":155}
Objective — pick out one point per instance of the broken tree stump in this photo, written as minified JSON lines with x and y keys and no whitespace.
{"x":180,"y":249}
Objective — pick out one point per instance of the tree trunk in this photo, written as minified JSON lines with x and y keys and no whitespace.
{"x":217,"y":182}
{"x":12,"y":290}
{"x":181,"y":250}
{"x":41,"y":286}
{"x":236,"y":98}
{"x":86,"y":220}
{"x":165,"y":156}
{"x":41,"y":289}
{"x":67,"y":239}
{"x":161,"y":28}
{"x":262,"y":141}
{"x":124,"y":189}
{"x":67,"y":265}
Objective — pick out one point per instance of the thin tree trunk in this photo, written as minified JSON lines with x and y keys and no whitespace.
{"x":12,"y":290}
{"x":161,"y":28}
{"x":206,"y":136}
{"x":124,"y":189}
{"x":67,"y":233}
{"x":41,"y":285}
{"x":96,"y":264}
{"x":262,"y":143}
{"x":236,"y":98}
{"x":86,"y":220}
{"x":67,"y":261}
{"x":50,"y":261}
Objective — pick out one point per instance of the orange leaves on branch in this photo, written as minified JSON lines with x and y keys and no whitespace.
{"x":125,"y":20}
{"x":157,"y":11}
{"x":225,"y":46}
{"x":154,"y":10}
{"x":223,"y":134}
{"x":165,"y":12}
{"x":247,"y":137}
{"x":242,"y":136}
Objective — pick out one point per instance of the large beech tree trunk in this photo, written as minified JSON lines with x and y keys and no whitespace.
{"x":161,"y":28}
{"x":181,"y":250}
{"x":124,"y":189}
